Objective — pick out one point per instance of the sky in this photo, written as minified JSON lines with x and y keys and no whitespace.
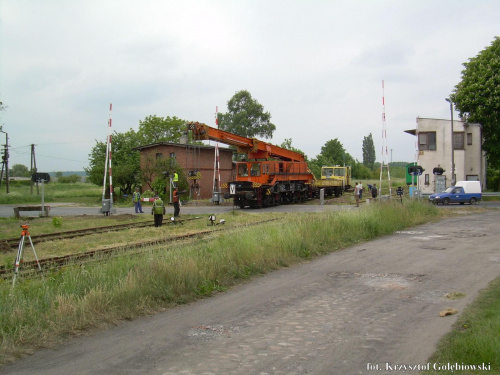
{"x":317,"y":66}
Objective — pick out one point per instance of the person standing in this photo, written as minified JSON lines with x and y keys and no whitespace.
{"x":177,"y":207}
{"x":158,"y":211}
{"x":176,"y":179}
{"x":360,"y":190}
{"x":356,"y":193}
{"x":136,"y":198}
{"x":374,"y":191}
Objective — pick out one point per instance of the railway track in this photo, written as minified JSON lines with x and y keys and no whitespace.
{"x":30,"y":268}
{"x":13,"y":243}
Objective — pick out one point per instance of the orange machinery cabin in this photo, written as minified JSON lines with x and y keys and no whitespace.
{"x":269,"y":172}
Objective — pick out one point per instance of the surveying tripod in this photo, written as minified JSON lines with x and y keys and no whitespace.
{"x":19,"y":257}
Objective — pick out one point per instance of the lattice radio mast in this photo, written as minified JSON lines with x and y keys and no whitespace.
{"x":384,"y":160}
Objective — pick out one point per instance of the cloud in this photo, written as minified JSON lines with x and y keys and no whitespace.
{"x":316,"y":66}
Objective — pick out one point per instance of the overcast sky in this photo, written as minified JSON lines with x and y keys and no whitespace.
{"x":316,"y":66}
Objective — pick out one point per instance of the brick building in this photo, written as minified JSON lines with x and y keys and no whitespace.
{"x":197,"y":158}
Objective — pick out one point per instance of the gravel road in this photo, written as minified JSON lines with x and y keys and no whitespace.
{"x":374,"y":306}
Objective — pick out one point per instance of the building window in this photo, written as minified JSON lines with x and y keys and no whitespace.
{"x":159,"y":155}
{"x":427,"y":179}
{"x":427,"y":141}
{"x":458,"y":141}
{"x":469,"y":139}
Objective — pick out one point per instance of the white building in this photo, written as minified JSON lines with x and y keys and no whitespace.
{"x":434,"y":140}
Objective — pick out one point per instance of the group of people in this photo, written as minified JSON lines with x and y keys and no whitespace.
{"x":158,"y":209}
{"x":358,"y":191}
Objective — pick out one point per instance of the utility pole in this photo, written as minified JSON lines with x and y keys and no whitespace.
{"x":33,"y":169}
{"x":452,"y":144}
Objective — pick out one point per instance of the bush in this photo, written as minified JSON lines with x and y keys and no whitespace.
{"x":72,"y":179}
{"x":492,"y":179}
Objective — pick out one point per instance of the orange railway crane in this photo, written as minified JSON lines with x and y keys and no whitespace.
{"x":271,"y":175}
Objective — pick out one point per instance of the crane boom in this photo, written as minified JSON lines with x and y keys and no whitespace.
{"x":254,"y":148}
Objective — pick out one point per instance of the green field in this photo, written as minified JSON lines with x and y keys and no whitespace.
{"x":20,"y":192}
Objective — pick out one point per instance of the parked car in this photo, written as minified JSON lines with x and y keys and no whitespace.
{"x":463,"y":192}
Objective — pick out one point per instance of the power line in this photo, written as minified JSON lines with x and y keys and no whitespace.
{"x":55,"y":157}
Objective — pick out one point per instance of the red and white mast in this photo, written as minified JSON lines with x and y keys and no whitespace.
{"x":384,"y":161}
{"x":107,"y":163}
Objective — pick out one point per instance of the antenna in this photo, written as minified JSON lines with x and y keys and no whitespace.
{"x":384,"y":162}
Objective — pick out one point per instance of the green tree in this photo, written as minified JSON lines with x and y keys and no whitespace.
{"x":125,"y":161}
{"x":368,"y":152}
{"x":71,"y":179}
{"x":155,"y":129}
{"x":335,"y":153}
{"x":316,"y":163}
{"x":19,"y":170}
{"x":360,"y":171}
{"x":477,"y":98}
{"x":246,"y":117}
{"x":332,"y":153}
{"x":287,"y":144}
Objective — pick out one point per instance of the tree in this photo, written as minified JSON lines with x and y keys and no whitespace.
{"x":287,"y":144}
{"x":126,"y":169}
{"x":335,"y":153}
{"x":332,"y":153}
{"x":19,"y":170}
{"x":155,"y":129}
{"x":125,"y":161}
{"x":368,"y":152}
{"x":246,"y":117}
{"x":71,"y":179}
{"x":316,"y":163}
{"x":477,"y":98}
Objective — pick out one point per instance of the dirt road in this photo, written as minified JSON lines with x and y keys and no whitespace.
{"x":374,"y":304}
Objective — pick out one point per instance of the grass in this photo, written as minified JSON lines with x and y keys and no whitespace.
{"x":84,"y":193}
{"x":43,"y":312}
{"x":475,"y":337}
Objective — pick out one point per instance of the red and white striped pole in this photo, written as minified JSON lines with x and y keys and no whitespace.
{"x":216,"y":185}
{"x":385,"y":155}
{"x":106,"y":158}
{"x":108,"y":161}
{"x":109,"y":150}
{"x":217,"y":116}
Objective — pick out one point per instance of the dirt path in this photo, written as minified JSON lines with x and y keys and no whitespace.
{"x":345,"y":313}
